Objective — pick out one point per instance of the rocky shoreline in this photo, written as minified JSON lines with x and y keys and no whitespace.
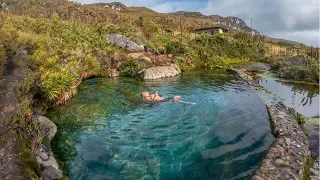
{"x":288,"y":157}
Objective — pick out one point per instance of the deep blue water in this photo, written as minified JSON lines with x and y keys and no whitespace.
{"x":108,"y":132}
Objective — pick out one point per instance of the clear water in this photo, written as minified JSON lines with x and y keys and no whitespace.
{"x":108,"y":132}
{"x":304,"y":98}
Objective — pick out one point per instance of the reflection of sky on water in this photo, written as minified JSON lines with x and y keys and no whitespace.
{"x":303,"y":97}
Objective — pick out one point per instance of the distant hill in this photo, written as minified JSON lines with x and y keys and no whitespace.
{"x":233,"y":24}
{"x":188,"y":14}
{"x":114,"y":5}
{"x":117,"y":12}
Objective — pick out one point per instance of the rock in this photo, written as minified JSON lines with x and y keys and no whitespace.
{"x":135,"y":55}
{"x":287,"y":156}
{"x":161,"y":72}
{"x":256,"y":178}
{"x":113,"y":73}
{"x":256,"y":67}
{"x":169,"y":55}
{"x":123,"y":42}
{"x":51,"y":173}
{"x":134,"y":168}
{"x":47,"y":128}
{"x":146,"y":60}
{"x":147,"y":177}
{"x":48,"y":163}
{"x":296,"y":60}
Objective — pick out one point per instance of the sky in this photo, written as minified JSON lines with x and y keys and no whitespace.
{"x":296,"y":20}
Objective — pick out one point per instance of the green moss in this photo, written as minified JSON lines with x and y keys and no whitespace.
{"x":307,"y":166}
{"x":26,"y":158}
{"x":2,"y":58}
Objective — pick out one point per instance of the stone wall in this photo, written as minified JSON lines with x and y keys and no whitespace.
{"x":287,"y":156}
{"x":286,"y":159}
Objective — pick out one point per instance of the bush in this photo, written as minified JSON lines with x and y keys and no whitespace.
{"x":296,"y":73}
{"x":131,"y":67}
{"x":2,"y":58}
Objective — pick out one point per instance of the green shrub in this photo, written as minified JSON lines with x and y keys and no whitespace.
{"x":296,"y":73}
{"x":2,"y":58}
{"x":131,"y":67}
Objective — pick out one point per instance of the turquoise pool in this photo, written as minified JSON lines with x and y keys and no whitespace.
{"x":108,"y":132}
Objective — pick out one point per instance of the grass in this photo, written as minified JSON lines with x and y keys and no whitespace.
{"x":307,"y":166}
{"x":2,"y":58}
{"x":32,"y":168}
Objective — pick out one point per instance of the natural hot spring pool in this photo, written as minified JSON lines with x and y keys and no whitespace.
{"x":108,"y":132}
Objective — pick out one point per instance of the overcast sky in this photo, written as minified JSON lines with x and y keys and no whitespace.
{"x":296,"y":20}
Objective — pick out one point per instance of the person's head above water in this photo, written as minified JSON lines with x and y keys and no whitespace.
{"x":145,"y":94}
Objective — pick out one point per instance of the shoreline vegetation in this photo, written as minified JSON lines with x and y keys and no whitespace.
{"x":63,"y":49}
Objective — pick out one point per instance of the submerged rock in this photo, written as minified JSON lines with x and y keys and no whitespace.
{"x":161,"y":72}
{"x":124,"y":42}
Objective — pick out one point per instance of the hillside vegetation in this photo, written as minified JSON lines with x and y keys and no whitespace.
{"x":67,"y":42}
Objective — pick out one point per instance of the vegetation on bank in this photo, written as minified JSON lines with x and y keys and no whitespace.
{"x":2,"y":58}
{"x":62,"y":53}
{"x":287,"y":70}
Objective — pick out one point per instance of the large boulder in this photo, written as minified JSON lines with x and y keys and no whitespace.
{"x":124,"y":42}
{"x":47,"y":128}
{"x":296,"y":60}
{"x":44,"y":156}
{"x":161,"y":72}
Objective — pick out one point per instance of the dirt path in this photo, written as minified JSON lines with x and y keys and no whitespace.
{"x":10,"y":167}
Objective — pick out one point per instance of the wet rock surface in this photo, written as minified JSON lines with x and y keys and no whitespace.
{"x":256,"y":67}
{"x":49,"y":167}
{"x":287,"y":156}
{"x":313,"y":131}
{"x":314,"y":171}
{"x":246,"y":77}
{"x":161,"y":72}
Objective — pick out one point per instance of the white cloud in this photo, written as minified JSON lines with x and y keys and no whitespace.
{"x":293,"y":19}
{"x":296,"y":20}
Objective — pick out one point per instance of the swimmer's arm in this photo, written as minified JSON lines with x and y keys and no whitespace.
{"x":187,"y":102}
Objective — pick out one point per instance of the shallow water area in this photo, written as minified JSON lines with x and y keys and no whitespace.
{"x":108,"y":132}
{"x":303,"y":97}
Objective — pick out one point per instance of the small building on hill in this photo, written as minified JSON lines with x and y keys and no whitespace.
{"x":211,"y":30}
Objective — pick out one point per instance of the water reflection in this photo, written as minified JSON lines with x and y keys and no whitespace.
{"x":303,"y":97}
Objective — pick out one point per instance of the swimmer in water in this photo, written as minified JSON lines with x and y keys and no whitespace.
{"x":156,"y":98}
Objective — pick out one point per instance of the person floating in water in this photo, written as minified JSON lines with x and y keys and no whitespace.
{"x":156,"y":98}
